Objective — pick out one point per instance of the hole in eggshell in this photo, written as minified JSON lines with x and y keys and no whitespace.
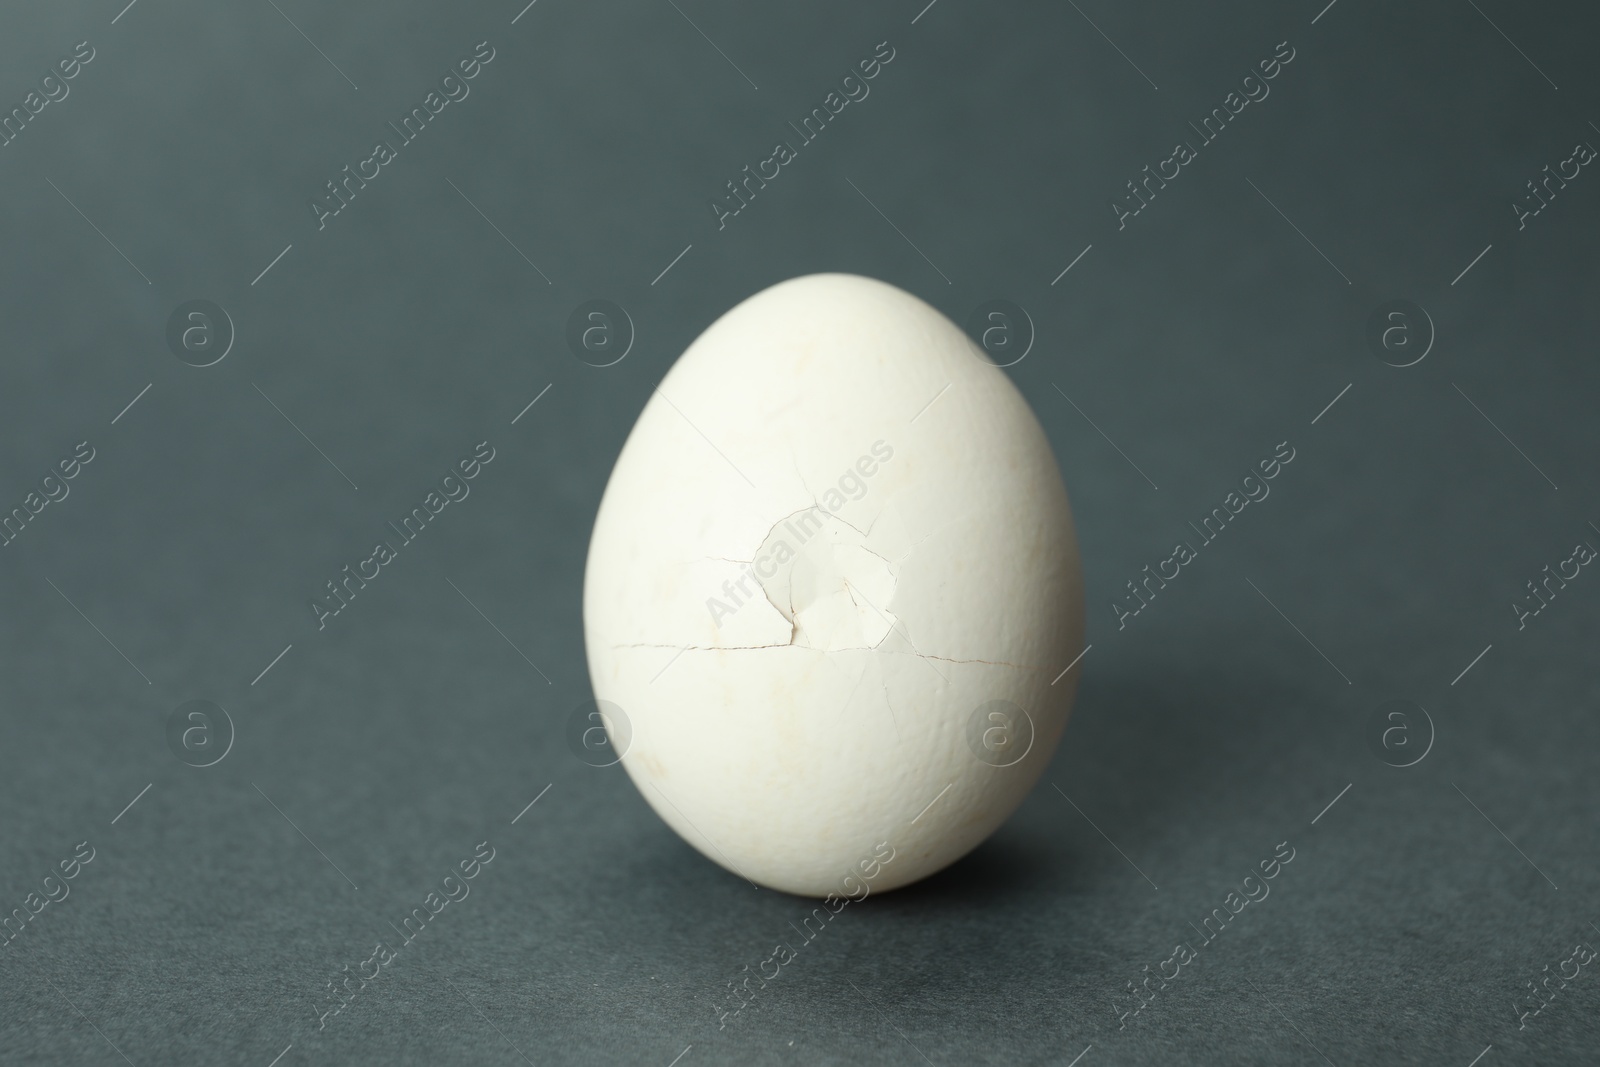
{"x":817,"y":571}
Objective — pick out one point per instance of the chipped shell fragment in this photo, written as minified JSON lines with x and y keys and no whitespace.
{"x":801,"y":651}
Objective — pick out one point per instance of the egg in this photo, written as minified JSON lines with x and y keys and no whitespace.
{"x":831,"y":592}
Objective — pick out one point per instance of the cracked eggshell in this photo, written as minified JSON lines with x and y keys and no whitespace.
{"x":834,"y":558}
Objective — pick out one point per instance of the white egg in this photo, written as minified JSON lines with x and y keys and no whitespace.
{"x":832,"y":578}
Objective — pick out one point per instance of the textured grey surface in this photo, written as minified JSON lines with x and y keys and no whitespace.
{"x":1197,"y":338}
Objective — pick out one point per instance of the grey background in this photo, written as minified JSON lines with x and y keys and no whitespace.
{"x":1197,"y":338}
